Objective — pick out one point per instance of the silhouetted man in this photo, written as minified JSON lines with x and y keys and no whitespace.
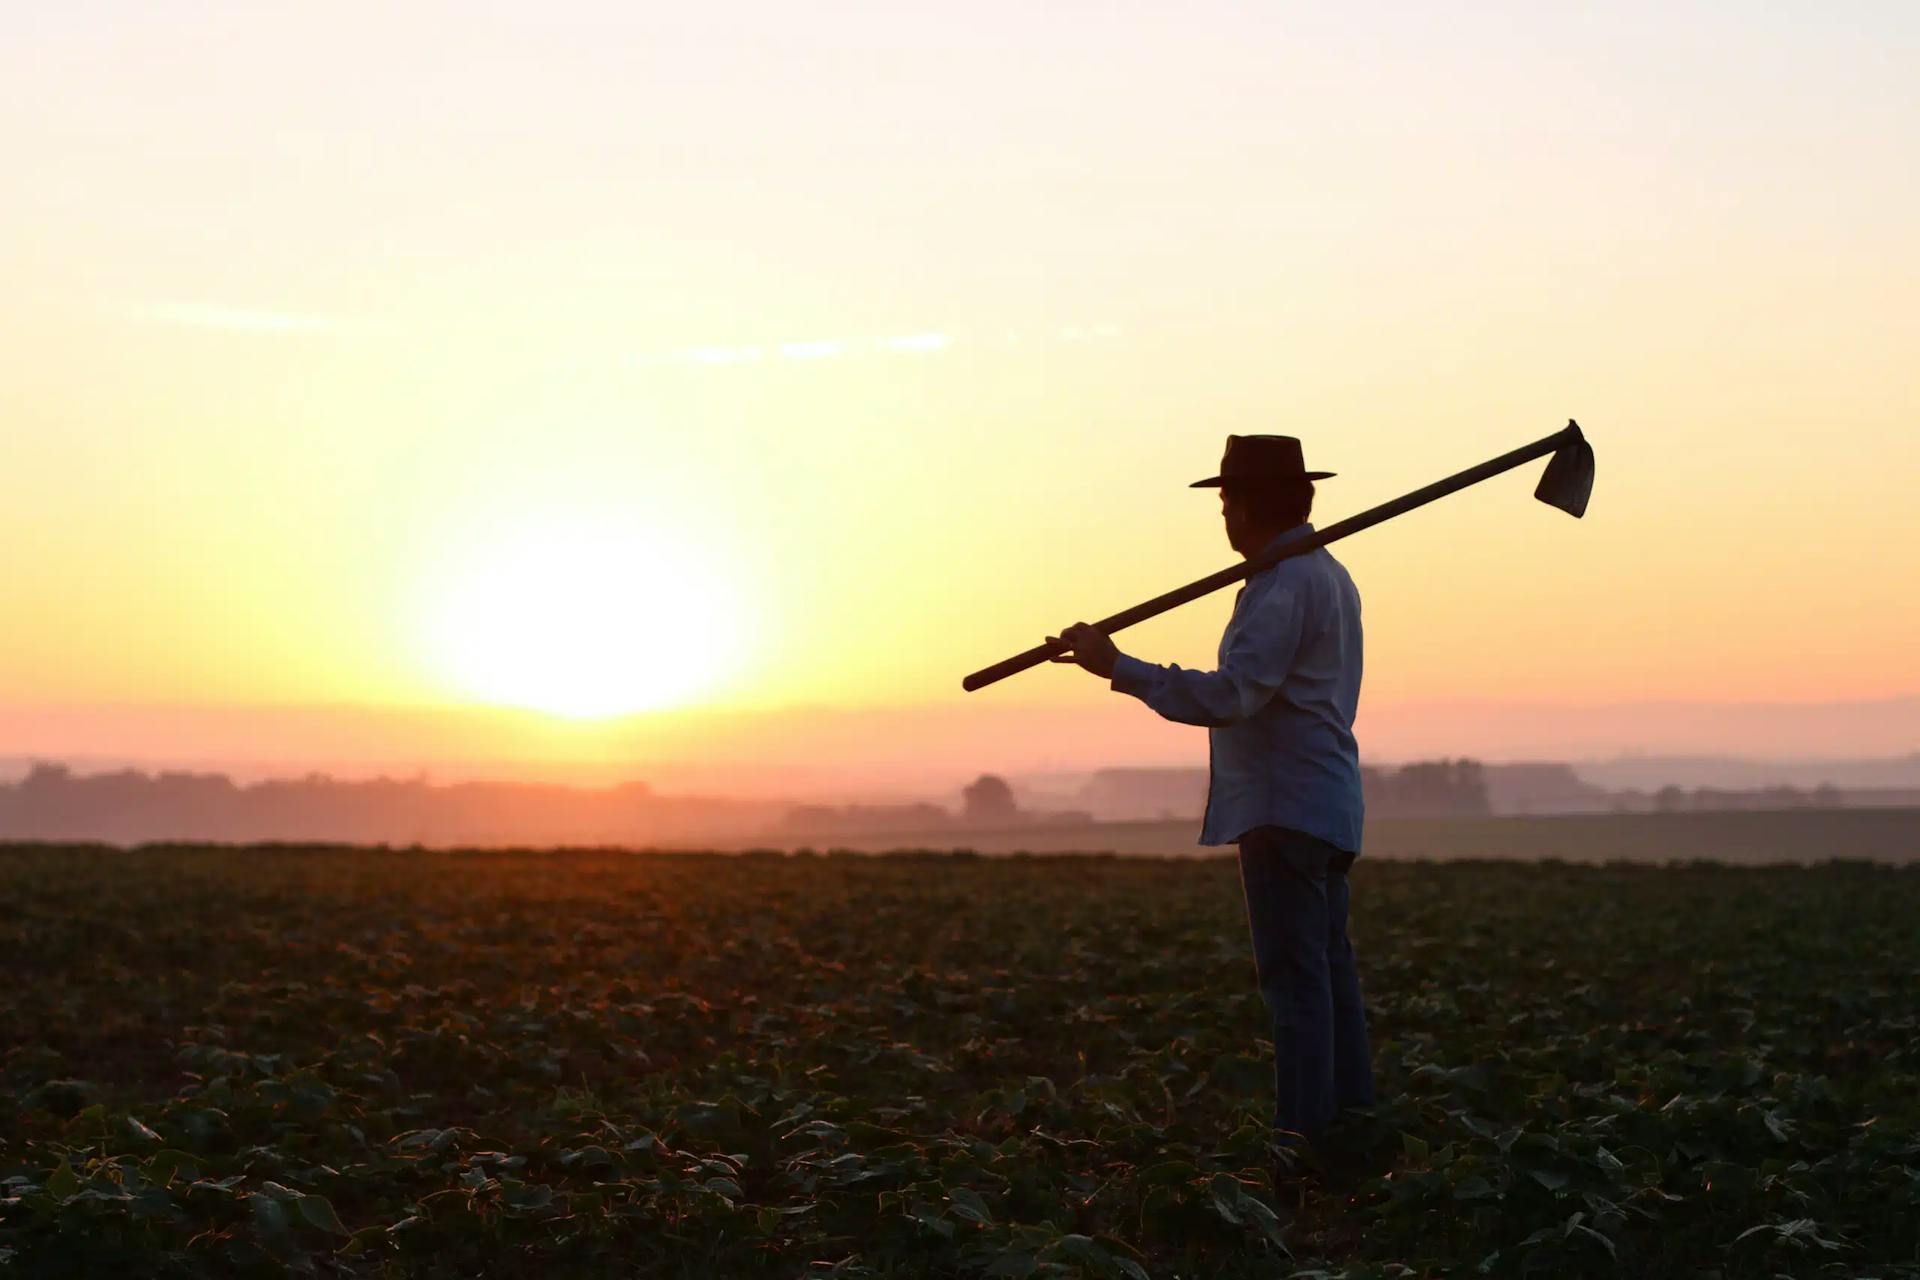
{"x":1284,"y":772}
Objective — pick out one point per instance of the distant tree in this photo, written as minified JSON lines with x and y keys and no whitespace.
{"x":1432,"y":789}
{"x":812,"y":817}
{"x":1669,"y":799}
{"x":989,"y":799}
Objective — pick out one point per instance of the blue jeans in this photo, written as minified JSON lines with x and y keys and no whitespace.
{"x":1296,"y":887}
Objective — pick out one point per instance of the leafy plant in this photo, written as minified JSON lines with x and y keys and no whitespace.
{"x":378,"y":1063}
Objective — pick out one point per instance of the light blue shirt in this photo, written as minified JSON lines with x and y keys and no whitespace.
{"x":1279,"y":711}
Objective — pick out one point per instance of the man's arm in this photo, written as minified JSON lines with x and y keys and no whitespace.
{"x":1250,"y":673}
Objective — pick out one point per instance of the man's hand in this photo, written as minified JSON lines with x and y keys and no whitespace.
{"x":1089,"y":646}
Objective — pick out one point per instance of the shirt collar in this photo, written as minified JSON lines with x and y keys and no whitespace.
{"x":1300,"y":530}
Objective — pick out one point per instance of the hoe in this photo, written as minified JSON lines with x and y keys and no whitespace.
{"x":1567,"y":484}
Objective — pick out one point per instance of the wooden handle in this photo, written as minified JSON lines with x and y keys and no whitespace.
{"x":1012,"y":666}
{"x":1247,"y":568}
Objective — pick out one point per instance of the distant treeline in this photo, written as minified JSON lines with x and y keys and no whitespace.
{"x":130,"y":807}
{"x":1430,"y":789}
{"x":1678,"y":799}
{"x":987,"y":801}
{"x":1427,"y":789}
{"x":1467,"y":788}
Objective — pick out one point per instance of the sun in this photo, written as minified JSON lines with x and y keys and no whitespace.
{"x":587,"y":616}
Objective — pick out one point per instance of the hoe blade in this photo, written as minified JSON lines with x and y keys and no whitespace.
{"x":1568,"y":481}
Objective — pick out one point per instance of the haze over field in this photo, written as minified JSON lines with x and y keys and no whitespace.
{"x":870,"y":753}
{"x":603,"y":391}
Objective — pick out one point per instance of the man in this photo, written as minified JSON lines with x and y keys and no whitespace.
{"x":1284,"y":772}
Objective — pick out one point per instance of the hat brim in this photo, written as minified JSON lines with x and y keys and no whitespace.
{"x":1214,"y":482}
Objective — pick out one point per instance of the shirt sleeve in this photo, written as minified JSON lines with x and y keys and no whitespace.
{"x":1256,"y":662}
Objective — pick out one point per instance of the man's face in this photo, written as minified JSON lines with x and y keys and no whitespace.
{"x":1233,"y":511}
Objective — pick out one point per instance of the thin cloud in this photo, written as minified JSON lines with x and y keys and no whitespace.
{"x":205,"y":315}
{"x":916,"y":342}
{"x":720,"y":355}
{"x":896,"y":344}
{"x":812,"y":350}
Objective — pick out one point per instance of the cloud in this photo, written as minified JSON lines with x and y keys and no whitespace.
{"x":916,"y":342}
{"x":719,"y":355}
{"x":896,"y":344}
{"x":206,"y":315}
{"x":812,"y":350}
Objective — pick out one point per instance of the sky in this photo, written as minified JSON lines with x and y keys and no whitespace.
{"x":772,"y":366}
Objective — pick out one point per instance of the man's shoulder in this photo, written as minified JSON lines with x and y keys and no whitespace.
{"x":1316,"y":565}
{"x":1337,"y":569}
{"x":1315,"y":581}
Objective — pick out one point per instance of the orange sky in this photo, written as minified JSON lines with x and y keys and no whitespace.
{"x":757,"y":359}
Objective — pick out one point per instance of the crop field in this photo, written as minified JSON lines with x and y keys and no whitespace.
{"x":1738,"y":838}
{"x":371,"y":1063}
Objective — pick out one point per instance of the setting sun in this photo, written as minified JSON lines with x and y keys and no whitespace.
{"x":584,"y":616}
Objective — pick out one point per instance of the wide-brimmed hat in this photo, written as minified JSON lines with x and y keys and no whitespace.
{"x":1260,"y":460}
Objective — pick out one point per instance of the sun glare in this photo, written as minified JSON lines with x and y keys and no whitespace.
{"x":584,"y":616}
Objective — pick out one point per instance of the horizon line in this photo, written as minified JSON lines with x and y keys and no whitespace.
{"x":164,"y":704}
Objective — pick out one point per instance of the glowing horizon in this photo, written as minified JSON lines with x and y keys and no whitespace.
{"x":397,"y":372}
{"x":585,"y":615}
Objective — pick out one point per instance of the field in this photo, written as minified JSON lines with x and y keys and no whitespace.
{"x":1743,"y":838}
{"x":369,"y":1063}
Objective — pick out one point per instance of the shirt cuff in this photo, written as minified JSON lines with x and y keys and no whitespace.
{"x":1131,"y":675}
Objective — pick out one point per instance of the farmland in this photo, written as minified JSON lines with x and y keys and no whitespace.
{"x":1741,"y":838}
{"x":386,"y":1063}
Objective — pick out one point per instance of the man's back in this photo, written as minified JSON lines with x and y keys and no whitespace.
{"x":1295,"y":762}
{"x":1280,"y":708}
